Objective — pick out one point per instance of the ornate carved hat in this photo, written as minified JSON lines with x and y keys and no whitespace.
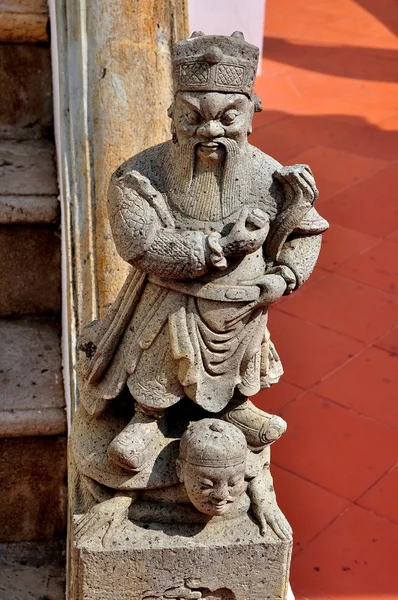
{"x":215,"y":63}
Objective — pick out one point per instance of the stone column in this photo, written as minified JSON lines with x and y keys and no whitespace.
{"x":112,"y":88}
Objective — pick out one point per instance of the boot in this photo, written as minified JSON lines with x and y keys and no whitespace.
{"x":260,"y":428}
{"x":131,"y":448}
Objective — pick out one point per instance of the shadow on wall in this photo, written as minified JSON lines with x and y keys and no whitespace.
{"x":354,"y":62}
{"x":382,"y":12}
{"x":284,"y":135}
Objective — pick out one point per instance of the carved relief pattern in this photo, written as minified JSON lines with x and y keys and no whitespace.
{"x":194,"y":73}
{"x":230,"y":75}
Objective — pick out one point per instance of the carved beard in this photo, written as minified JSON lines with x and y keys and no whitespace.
{"x":212,"y":193}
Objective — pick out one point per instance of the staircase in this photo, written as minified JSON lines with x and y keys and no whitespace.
{"x":32,"y":405}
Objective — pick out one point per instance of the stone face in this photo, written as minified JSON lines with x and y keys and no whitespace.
{"x":170,"y":460}
{"x":33,"y":503}
{"x":212,"y":562}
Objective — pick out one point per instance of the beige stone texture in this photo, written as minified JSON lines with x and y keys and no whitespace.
{"x":32,"y":401}
{"x":130,"y":90}
{"x":27,"y":168}
{"x":224,"y":561}
{"x":24,"y":21}
{"x":29,"y":209}
{"x":33,"y":505}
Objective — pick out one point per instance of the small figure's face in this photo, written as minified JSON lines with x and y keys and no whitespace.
{"x":212,"y":490}
{"x":205,"y":116}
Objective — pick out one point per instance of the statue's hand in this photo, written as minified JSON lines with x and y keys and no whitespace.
{"x":247,"y":235}
{"x":277,"y":521}
{"x":287,"y":274}
{"x":265,"y":508}
{"x":268,"y":514}
{"x":103,"y":518}
{"x":273,"y":286}
{"x":298,"y":183}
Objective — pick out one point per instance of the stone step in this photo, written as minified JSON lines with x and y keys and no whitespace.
{"x":33,"y":488}
{"x":32,"y":571}
{"x":28,"y":183}
{"x":30,"y":267}
{"x":31,"y":392}
{"x":26,"y":110}
{"x":23,"y":21}
{"x":30,"y":260}
{"x":28,"y":209}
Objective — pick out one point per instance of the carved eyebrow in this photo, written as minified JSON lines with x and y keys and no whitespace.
{"x":229,"y":106}
{"x":206,"y":482}
{"x":190,"y":104}
{"x":234,"y":480}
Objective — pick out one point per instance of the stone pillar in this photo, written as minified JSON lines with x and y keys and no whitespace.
{"x":129,"y":91}
{"x":112,"y":88}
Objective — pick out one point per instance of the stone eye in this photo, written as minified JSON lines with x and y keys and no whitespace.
{"x":193,"y":118}
{"x":229,"y":117}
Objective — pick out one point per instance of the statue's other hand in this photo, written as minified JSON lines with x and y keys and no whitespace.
{"x":103,"y":518}
{"x":298,"y":183}
{"x":247,"y":235}
{"x":266,"y":510}
{"x":273,"y":286}
{"x":275,"y":519}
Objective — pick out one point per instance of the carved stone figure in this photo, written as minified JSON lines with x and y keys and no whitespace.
{"x":215,"y":232}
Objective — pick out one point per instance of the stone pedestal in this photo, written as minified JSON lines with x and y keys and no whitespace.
{"x":226,"y":560}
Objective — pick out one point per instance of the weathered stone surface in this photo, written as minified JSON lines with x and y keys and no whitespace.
{"x":31,"y":392}
{"x":28,"y":209}
{"x":32,"y":571}
{"x":33,"y":487}
{"x":31,"y":270}
{"x":26,"y":91}
{"x":27,"y":168}
{"x":129,"y":68}
{"x":216,"y":561}
{"x":23,"y":21}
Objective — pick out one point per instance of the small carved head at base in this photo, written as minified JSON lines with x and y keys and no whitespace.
{"x":212,"y":465}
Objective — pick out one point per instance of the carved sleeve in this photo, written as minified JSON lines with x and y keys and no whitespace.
{"x":300,"y":254}
{"x":145,"y":242}
{"x":301,"y":250}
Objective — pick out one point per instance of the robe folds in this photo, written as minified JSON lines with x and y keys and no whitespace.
{"x":172,"y":347}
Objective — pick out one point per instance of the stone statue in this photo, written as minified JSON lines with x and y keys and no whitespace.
{"x":215,"y":231}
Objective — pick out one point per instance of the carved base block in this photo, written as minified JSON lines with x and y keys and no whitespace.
{"x":227,"y":560}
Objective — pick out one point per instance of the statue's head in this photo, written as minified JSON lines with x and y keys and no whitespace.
{"x":212,"y":465}
{"x":213,"y":85}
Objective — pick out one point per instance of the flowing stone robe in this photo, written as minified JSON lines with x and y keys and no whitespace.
{"x":180,"y":327}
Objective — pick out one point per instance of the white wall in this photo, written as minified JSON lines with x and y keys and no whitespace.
{"x":223,"y":17}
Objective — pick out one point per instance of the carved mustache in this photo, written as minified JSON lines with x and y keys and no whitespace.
{"x":230,"y":145}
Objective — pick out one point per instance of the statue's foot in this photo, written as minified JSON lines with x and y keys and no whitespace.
{"x":131,"y":448}
{"x":260,"y":428}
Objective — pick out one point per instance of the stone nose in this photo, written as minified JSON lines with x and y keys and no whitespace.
{"x":210,"y":130}
{"x":220,"y":492}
